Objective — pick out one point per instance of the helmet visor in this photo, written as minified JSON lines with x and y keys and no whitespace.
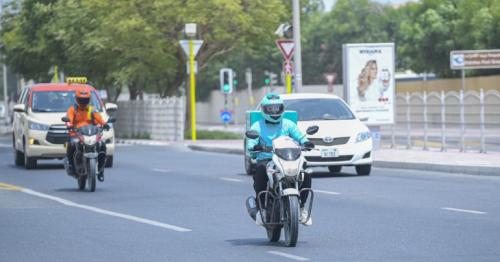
{"x":276,"y":109}
{"x":83,"y":101}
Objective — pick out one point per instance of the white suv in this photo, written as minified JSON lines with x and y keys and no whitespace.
{"x":38,"y":131}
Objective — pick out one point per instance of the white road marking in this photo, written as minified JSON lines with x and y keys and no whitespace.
{"x":464,"y":210}
{"x":160,"y":170}
{"x":5,"y":145}
{"x":105,"y":212}
{"x":326,"y":192}
{"x":294,"y":257}
{"x":231,"y":179}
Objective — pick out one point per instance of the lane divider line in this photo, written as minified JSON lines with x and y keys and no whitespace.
{"x":231,"y":179}
{"x":464,"y":210}
{"x":294,"y":257}
{"x":327,"y":192}
{"x":95,"y":209}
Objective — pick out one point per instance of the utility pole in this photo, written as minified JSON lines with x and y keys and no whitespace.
{"x":5,"y":100}
{"x":298,"y":50}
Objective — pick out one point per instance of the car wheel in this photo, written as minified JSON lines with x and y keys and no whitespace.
{"x":363,"y":170}
{"x":29,"y":162}
{"x":18,"y":155}
{"x":109,"y":161}
{"x":335,"y":169}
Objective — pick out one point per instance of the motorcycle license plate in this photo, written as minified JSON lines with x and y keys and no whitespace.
{"x":330,"y":152}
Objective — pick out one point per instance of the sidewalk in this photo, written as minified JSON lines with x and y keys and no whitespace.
{"x":450,"y":161}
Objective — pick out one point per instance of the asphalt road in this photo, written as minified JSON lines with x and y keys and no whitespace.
{"x":171,"y":204}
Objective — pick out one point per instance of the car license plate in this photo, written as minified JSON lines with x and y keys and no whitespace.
{"x":330,"y":152}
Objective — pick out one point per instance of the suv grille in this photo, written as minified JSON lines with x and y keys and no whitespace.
{"x":336,"y":141}
{"x":58,"y":134}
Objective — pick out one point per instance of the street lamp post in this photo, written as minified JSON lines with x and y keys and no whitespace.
{"x":298,"y":50}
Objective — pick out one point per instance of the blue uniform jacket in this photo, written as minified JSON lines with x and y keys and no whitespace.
{"x":268,"y":132}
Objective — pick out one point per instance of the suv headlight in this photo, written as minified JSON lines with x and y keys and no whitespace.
{"x":37,"y":126}
{"x":363,"y":136}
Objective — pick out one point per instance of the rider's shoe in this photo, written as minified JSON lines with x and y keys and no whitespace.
{"x":258,"y":219}
{"x":303,"y":216}
{"x":100,"y":176}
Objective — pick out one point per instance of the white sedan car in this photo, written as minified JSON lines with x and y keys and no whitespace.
{"x":342,"y":139}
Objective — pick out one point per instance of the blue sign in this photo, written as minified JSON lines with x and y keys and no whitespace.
{"x":226,"y":116}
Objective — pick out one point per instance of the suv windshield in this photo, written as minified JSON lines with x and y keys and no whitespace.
{"x":319,"y":109}
{"x":58,"y":101}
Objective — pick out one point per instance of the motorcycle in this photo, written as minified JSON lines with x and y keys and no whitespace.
{"x":285,"y":172}
{"x":88,"y":141}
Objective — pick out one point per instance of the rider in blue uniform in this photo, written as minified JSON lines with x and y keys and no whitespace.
{"x":272,"y":126}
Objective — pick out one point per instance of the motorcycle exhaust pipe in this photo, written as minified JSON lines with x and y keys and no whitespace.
{"x":251,"y":205}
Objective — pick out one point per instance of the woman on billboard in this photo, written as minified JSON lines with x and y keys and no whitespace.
{"x":368,"y":86}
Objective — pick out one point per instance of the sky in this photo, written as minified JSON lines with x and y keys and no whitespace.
{"x":329,"y":3}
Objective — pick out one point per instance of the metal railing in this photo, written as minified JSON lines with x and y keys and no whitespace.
{"x":464,"y":120}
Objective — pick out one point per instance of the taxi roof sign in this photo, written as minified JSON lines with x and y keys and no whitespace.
{"x":76,"y":80}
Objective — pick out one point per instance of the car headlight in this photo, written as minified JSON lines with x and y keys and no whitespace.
{"x":363,"y":136}
{"x":37,"y":126}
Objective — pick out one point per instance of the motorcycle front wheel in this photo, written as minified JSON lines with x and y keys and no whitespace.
{"x":91,"y":176}
{"x":291,"y":225}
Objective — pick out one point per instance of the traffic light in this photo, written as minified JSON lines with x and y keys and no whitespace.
{"x":226,"y":80}
{"x":267,"y":79}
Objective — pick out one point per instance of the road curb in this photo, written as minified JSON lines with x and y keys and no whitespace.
{"x":456,"y":169}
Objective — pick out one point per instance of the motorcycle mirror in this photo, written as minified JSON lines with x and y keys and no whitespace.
{"x":65,"y":119}
{"x":111,"y":120}
{"x":252,"y":134}
{"x":312,"y":130}
{"x":308,"y":171}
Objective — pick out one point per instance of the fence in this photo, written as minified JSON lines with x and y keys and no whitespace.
{"x":159,"y":119}
{"x":466,"y":121}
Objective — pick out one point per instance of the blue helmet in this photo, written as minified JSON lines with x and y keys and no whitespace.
{"x":272,"y":108}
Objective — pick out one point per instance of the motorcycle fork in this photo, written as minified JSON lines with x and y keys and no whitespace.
{"x":263,"y":207}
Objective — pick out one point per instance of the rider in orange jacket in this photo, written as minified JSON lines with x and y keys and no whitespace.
{"x":82,"y":114}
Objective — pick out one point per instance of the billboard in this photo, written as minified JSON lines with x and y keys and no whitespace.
{"x":369,"y":85}
{"x":475,"y":59}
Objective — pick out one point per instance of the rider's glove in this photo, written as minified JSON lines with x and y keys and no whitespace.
{"x":258,"y":147}
{"x":308,"y":145}
{"x":106,"y":127}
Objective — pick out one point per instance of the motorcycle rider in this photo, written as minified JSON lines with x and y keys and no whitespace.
{"x":82,"y":114}
{"x":272,"y":126}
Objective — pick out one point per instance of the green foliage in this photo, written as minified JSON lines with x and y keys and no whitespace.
{"x":213,"y":135}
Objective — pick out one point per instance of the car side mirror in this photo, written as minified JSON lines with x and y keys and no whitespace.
{"x":252,"y":134}
{"x":362,"y":117}
{"x":111,"y":120}
{"x":65,"y":119}
{"x":20,"y":108}
{"x":312,"y":130}
{"x":111,"y":107}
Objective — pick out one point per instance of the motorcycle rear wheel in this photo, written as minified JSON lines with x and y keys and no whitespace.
{"x":291,"y":228}
{"x":91,"y":176}
{"x":81,"y":182}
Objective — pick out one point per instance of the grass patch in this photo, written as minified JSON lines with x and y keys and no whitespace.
{"x":213,"y":135}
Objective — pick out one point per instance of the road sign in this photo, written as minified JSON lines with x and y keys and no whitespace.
{"x":226,"y":116}
{"x":196,"y":46}
{"x":475,"y":59}
{"x":287,"y":48}
{"x":288,"y":68}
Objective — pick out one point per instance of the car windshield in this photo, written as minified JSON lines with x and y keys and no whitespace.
{"x":58,"y":101}
{"x":288,"y":154}
{"x":319,"y":109}
{"x":89,"y":130}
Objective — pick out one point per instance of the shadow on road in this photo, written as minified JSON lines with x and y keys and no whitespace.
{"x":330,"y":175}
{"x":49,"y":166}
{"x":256,"y":242}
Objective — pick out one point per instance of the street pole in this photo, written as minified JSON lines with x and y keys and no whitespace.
{"x":248,"y":78}
{"x":5,"y":100}
{"x":288,"y":80}
{"x":463,"y":80}
{"x":298,"y":50}
{"x":192,"y":90}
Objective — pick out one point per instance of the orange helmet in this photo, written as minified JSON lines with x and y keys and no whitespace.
{"x":82,"y":97}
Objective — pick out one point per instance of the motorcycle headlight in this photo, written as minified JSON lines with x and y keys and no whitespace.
{"x":363,"y":136}
{"x":90,"y":140}
{"x":37,"y":126}
{"x":290,"y":168}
